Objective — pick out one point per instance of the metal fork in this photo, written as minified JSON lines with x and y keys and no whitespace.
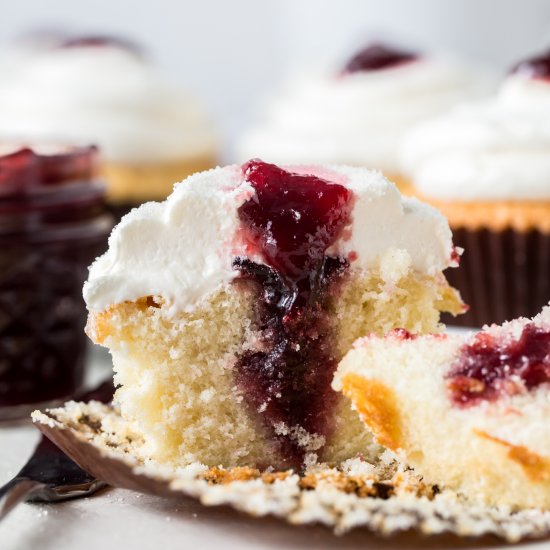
{"x":49,"y":475}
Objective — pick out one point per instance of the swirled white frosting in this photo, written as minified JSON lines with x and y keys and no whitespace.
{"x":183,"y":248}
{"x":495,"y":149}
{"x":358,"y":118}
{"x":107,"y":95}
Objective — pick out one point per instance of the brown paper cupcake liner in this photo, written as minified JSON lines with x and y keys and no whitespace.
{"x":502,"y":274}
{"x":382,"y":497}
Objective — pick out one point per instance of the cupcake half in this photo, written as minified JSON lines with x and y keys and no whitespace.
{"x":102,"y":90}
{"x":359,"y":115}
{"x":486,"y":166}
{"x":227,"y":307}
{"x":468,"y":413}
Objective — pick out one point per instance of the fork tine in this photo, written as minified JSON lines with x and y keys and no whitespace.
{"x":15,"y":491}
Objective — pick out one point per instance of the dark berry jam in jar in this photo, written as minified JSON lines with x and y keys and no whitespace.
{"x":52,"y":226}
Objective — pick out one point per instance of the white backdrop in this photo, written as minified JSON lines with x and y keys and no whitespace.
{"x":232,"y":53}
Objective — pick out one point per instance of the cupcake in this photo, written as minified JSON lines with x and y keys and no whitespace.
{"x":102,"y":90}
{"x":467,"y":412}
{"x":359,"y":114}
{"x":227,"y":307}
{"x":486,"y":166}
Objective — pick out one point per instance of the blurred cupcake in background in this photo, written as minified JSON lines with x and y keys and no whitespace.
{"x":102,"y":90}
{"x":486,"y":166}
{"x":359,"y":115}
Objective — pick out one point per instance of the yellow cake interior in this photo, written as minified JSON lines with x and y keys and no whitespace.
{"x":496,"y":453}
{"x":175,"y":371}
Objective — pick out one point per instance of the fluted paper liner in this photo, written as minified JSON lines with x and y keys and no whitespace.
{"x":502,"y":274}
{"x":384,"y":497}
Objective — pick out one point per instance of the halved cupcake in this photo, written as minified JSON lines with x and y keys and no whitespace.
{"x":468,"y":413}
{"x":227,"y":307}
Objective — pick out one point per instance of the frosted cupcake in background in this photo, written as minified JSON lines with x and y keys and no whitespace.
{"x":359,"y":115}
{"x":486,"y":166}
{"x":102,"y":90}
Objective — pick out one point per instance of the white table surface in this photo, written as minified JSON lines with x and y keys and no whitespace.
{"x":121,"y":519}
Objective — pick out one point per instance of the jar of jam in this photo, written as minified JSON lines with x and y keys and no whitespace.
{"x":52,"y":226}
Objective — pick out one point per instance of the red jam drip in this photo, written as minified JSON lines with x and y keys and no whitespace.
{"x":377,"y":57}
{"x":491,"y":366}
{"x":401,"y":334}
{"x":536,"y":67}
{"x":291,"y":221}
{"x":455,"y":256}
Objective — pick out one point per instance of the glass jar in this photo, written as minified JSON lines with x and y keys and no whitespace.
{"x":52,"y":226}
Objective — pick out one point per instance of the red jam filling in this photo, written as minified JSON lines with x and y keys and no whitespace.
{"x":535,"y":67}
{"x":99,"y":41}
{"x":291,"y":221}
{"x":377,"y":57}
{"x":455,"y":256}
{"x":401,"y":334}
{"x":492,"y":366}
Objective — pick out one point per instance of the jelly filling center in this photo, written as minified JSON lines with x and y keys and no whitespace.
{"x":535,"y":67}
{"x":290,"y":222}
{"x":491,"y":366}
{"x":377,"y":57}
{"x":99,"y":41}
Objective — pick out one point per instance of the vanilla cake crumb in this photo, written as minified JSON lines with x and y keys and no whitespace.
{"x":166,"y":364}
{"x":494,"y":447}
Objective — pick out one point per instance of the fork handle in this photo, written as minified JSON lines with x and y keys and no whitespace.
{"x":15,"y":491}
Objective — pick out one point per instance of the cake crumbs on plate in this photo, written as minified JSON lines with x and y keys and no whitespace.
{"x":383,"y":496}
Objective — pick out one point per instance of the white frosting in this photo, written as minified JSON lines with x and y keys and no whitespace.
{"x":358,"y":118}
{"x":105,"y":95}
{"x":182,"y":249}
{"x":495,"y":149}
